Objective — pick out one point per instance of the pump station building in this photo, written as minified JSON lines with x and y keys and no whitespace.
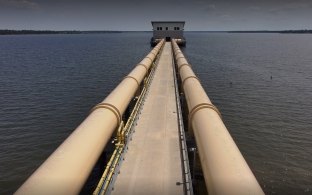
{"x":168,"y":30}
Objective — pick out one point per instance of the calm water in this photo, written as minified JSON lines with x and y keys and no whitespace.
{"x":262,"y":83}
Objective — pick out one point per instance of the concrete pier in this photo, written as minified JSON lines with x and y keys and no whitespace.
{"x":154,"y":160}
{"x":152,"y":163}
{"x":69,"y":166}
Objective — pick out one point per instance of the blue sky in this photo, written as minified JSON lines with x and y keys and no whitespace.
{"x":137,"y":14}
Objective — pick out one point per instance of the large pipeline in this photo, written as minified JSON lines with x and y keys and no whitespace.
{"x":69,"y":166}
{"x":225,"y":169}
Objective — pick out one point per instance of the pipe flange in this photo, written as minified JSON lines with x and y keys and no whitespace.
{"x":149,"y":58}
{"x":180,"y":57}
{"x":153,"y":53}
{"x":131,"y":77}
{"x":179,"y":69}
{"x":178,"y":52}
{"x":110,"y":107}
{"x":199,"y":107}
{"x":190,"y":77}
{"x":143,"y":66}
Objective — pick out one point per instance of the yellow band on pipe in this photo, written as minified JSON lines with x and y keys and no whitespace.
{"x":184,"y":65}
{"x":130,"y":77}
{"x":109,"y":107}
{"x":143,"y":66}
{"x":190,"y":77}
{"x":201,"y":106}
{"x":149,"y":58}
{"x":179,"y":58}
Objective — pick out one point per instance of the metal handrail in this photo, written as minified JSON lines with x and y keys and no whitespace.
{"x":187,"y":178}
{"x":225,"y":169}
{"x":123,"y":134}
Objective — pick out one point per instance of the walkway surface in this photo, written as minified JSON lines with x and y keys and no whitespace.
{"x":153,"y":163}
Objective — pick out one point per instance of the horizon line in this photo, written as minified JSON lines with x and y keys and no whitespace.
{"x":148,"y":30}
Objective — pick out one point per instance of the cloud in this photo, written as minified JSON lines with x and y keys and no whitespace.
{"x":19,"y":4}
{"x":211,"y":7}
{"x":207,"y":6}
{"x":254,"y":8}
{"x":291,"y":7}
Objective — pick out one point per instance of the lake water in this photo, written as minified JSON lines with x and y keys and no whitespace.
{"x":262,"y":84}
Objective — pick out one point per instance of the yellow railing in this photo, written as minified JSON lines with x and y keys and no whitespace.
{"x":123,"y":134}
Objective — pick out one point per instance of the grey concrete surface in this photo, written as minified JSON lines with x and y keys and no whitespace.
{"x":152,"y":164}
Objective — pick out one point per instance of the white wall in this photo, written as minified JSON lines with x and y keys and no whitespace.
{"x":169,"y":25}
{"x":171,"y":32}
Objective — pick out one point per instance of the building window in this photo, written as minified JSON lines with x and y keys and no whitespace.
{"x":176,"y":28}
{"x":160,"y":28}
{"x":166,"y":28}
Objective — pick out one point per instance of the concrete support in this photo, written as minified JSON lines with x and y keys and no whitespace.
{"x":225,"y":170}
{"x":67,"y":169}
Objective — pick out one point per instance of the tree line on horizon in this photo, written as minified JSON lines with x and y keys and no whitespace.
{"x":26,"y":32}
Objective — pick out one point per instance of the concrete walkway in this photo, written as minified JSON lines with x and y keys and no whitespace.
{"x":153,"y":164}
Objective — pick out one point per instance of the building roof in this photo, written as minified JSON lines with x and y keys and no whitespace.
{"x":168,"y":22}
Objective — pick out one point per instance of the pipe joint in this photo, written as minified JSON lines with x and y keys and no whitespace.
{"x":190,"y":77}
{"x":199,"y":107}
{"x":177,"y":58}
{"x":131,"y":77}
{"x":149,"y":58}
{"x":110,"y":107}
{"x":179,"y":69}
{"x":144,"y":67}
{"x":202,"y":106}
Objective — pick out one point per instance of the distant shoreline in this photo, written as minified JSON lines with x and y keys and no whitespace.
{"x":281,"y":31}
{"x":34,"y":32}
{"x":260,"y":31}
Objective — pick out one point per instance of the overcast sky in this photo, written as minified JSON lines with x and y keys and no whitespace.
{"x":137,"y":14}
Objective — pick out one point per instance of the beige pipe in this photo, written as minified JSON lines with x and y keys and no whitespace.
{"x":67,"y":169}
{"x":225,"y":170}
